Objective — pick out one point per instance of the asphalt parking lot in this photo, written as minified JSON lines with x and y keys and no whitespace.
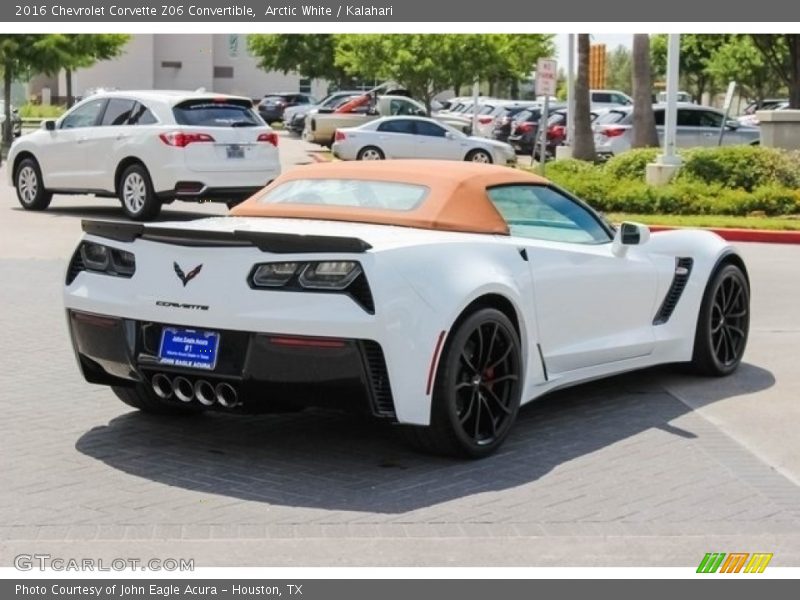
{"x":653,"y":468}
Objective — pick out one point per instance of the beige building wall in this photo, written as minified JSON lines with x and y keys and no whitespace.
{"x":216,"y":62}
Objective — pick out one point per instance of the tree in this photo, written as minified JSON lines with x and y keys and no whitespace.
{"x":741,"y":61}
{"x":781,"y":52}
{"x":84,"y":50}
{"x":620,"y":69}
{"x":414,"y":61}
{"x":583,"y":145}
{"x":19,"y":54}
{"x":644,"y":122}
{"x":696,"y":52}
{"x":311,"y":55}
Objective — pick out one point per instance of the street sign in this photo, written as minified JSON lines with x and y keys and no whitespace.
{"x":546,"y":77}
{"x":729,"y":96}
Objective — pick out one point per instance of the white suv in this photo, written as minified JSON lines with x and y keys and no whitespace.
{"x":147,"y":148}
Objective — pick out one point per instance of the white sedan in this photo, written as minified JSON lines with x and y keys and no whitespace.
{"x":417,"y":137}
{"x":148,"y":149}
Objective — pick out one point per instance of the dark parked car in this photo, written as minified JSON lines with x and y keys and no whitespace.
{"x":272,"y":106}
{"x":557,"y":131}
{"x":504,"y":117}
{"x":525,"y":126}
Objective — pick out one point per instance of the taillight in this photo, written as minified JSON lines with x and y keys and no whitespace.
{"x":485,"y":120}
{"x":613,"y":131}
{"x":339,"y":136}
{"x":525,"y":127}
{"x":181,"y":139}
{"x":270,"y":138}
{"x":556,"y":131}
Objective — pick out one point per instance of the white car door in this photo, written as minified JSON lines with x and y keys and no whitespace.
{"x":103,"y":143}
{"x":433,"y":142}
{"x":396,"y":138}
{"x":62,"y":156}
{"x":592,"y":307}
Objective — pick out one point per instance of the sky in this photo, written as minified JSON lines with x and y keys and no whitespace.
{"x":610,"y":40}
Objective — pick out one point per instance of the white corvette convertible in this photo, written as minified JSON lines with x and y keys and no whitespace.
{"x":438,"y":295}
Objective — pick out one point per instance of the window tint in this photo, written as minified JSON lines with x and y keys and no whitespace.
{"x":215,"y":114}
{"x":347,"y":192}
{"x":659,"y":116}
{"x":85,"y":115}
{"x":601,"y":97}
{"x":558,"y":118}
{"x":542,"y":213}
{"x":397,"y":126}
{"x":429,"y":129}
{"x":699,"y":118}
{"x":620,"y":99}
{"x":118,"y":111}
{"x":142,"y":116}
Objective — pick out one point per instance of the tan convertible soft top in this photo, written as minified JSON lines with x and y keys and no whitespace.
{"x":457,"y":200}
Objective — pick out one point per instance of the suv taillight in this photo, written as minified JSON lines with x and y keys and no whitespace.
{"x":339,"y":136}
{"x":181,"y":139}
{"x":270,"y":138}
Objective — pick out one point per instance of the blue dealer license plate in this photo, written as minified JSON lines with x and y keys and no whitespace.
{"x":188,"y":348}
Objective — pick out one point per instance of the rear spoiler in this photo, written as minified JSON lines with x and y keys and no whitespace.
{"x":278,"y":243}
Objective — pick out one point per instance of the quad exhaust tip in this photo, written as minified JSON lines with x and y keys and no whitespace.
{"x":204,"y":392}
{"x":184,"y":390}
{"x":226,"y":395}
{"x":162,"y":386}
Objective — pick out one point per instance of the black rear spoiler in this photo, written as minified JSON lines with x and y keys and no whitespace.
{"x":278,"y":243}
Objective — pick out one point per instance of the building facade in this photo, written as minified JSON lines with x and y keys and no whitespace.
{"x":215,"y":62}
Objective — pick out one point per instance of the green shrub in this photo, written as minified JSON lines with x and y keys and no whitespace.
{"x":631,"y":164}
{"x":41,"y":111}
{"x":745,"y":167}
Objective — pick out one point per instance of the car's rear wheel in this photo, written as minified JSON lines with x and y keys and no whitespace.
{"x":144,"y":399}
{"x":479,"y":156}
{"x":723,"y":323}
{"x":477,"y":391}
{"x":135,"y":191}
{"x":370,"y":153}
{"x":31,"y":192}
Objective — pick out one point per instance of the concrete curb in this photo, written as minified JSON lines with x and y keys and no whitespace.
{"x":746,"y":235}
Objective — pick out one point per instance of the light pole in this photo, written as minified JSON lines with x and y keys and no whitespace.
{"x":668,"y":164}
{"x":565,"y":151}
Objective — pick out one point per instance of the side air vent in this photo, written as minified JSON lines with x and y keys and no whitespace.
{"x":683,"y":268}
{"x":381,"y":392}
{"x":75,"y":266}
{"x":362,"y":294}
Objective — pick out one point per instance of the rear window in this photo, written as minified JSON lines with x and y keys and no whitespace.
{"x":611,"y":117}
{"x":356,"y":193}
{"x":209,"y":113}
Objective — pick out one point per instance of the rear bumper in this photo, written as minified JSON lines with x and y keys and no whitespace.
{"x":270,"y":372}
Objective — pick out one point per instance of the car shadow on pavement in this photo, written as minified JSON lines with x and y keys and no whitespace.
{"x":332,"y":461}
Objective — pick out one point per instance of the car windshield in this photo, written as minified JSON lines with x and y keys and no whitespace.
{"x":215,"y":113}
{"x":610,"y":117}
{"x":356,"y":193}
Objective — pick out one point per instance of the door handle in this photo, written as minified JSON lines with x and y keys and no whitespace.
{"x":122,"y":136}
{"x":82,"y":139}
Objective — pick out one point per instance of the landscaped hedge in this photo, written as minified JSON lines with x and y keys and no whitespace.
{"x":733,"y":180}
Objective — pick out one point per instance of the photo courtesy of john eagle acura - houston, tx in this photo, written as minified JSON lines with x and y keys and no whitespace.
{"x":437,"y":295}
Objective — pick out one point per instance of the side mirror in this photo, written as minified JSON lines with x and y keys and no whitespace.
{"x":450,"y":135}
{"x":732,"y":125}
{"x":629,"y":234}
{"x":49,"y":124}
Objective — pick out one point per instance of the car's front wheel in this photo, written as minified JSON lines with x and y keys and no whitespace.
{"x":144,"y":399}
{"x":31,"y":192}
{"x":477,"y":391}
{"x":136,"y":193}
{"x":723,"y":323}
{"x":479,"y":156}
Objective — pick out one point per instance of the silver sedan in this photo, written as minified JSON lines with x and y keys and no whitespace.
{"x":417,"y":137}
